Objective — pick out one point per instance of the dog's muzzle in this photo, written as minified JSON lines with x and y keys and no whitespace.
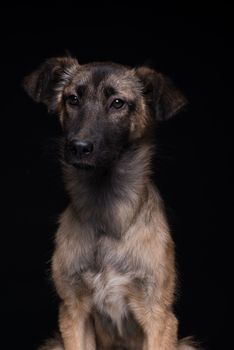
{"x":80,"y":149}
{"x":78,"y":152}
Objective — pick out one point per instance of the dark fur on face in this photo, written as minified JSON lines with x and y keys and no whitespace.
{"x":113,"y":264}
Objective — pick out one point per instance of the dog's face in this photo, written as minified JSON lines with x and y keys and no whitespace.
{"x":104,"y":108}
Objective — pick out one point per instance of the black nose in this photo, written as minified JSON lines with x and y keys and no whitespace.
{"x":80,"y":148}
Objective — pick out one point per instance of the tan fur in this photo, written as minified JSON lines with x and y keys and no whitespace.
{"x":113,"y":264}
{"x":110,"y":290}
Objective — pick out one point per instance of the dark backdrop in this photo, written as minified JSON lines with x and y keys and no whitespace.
{"x":192,"y":170}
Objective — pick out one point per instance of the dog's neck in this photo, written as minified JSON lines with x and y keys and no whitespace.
{"x":109,"y":200}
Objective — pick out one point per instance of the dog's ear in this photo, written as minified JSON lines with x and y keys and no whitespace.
{"x":161,"y":95}
{"x":46,"y":84}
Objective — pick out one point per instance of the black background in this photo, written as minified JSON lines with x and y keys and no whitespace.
{"x":192,"y":170}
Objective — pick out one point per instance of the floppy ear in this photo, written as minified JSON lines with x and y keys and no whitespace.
{"x":162,"y":96}
{"x":46,"y":84}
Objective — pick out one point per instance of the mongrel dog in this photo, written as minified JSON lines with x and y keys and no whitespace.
{"x":113,"y":264}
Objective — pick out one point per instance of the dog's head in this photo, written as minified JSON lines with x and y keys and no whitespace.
{"x":103,"y":107}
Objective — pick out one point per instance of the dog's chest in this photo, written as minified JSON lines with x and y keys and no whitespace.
{"x":108,"y":278}
{"x":109,"y":290}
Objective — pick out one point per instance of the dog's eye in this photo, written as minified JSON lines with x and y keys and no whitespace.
{"x":72,"y":100}
{"x":117,"y":103}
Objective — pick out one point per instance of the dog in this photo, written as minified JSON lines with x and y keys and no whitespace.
{"x":113,"y":264}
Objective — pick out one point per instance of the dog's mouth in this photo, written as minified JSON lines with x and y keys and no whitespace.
{"x":83,"y":166}
{"x":78,"y":163}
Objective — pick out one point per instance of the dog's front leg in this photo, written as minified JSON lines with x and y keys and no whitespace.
{"x":76,"y":328}
{"x":161,"y":333}
{"x":158,"y":323}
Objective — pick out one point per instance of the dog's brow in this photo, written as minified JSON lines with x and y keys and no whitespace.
{"x":80,"y":89}
{"x":109,"y":91}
